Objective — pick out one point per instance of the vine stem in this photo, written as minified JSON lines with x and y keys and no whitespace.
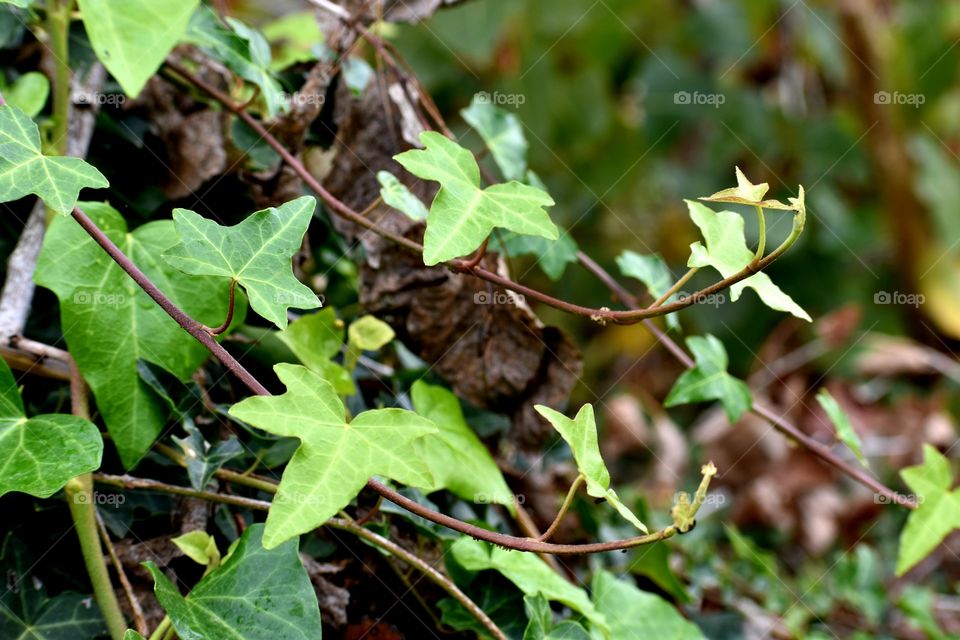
{"x":231,"y":302}
{"x":343,"y":524}
{"x":139,"y":621}
{"x":83,"y":509}
{"x":567,"y":501}
{"x":676,"y":287}
{"x":762,"y":222}
{"x":782,"y":425}
{"x":58,"y":25}
{"x":464,"y":266}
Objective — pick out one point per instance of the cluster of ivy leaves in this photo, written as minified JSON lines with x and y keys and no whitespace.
{"x":324,"y":435}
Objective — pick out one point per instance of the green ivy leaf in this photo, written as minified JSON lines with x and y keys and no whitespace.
{"x":204,"y":459}
{"x":132,"y":38}
{"x":638,"y":614}
{"x":541,"y":625}
{"x":256,"y":594}
{"x":502,"y":132}
{"x":200,"y":547}
{"x":335,"y":457}
{"x":937,"y":513}
{"x":369,"y":333}
{"x":553,"y":256}
{"x":130,"y":634}
{"x":529,"y":573}
{"x":26,"y":613}
{"x":242,"y":49}
{"x":24,"y":169}
{"x":396,"y":195}
{"x":315,"y":339}
{"x":255,"y":253}
{"x":28,"y":93}
{"x":40,"y":454}
{"x":458,"y":461}
{"x":841,"y":421}
{"x":727,"y":252}
{"x":581,"y":434}
{"x":709,"y":380}
{"x":655,"y":275}
{"x":294,"y":37}
{"x":462,"y":214}
{"x":109,"y":323}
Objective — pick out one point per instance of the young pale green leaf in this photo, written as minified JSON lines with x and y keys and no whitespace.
{"x":638,"y":614}
{"x":294,"y":37}
{"x":530,"y":574}
{"x":540,"y":625}
{"x":841,"y":421}
{"x":726,"y":251}
{"x":28,"y":93}
{"x":109,"y":323}
{"x":462,"y":214}
{"x":24,"y":169}
{"x":255,"y":253}
{"x":653,"y":272}
{"x":709,"y":380}
{"x":132,"y":38}
{"x":369,"y":333}
{"x":458,"y":461}
{"x":502,"y":132}
{"x":581,"y":434}
{"x":396,"y":195}
{"x":335,"y":457}
{"x":747,"y":193}
{"x":39,"y":455}
{"x":200,"y":547}
{"x":315,"y":339}
{"x":130,"y":634}
{"x":937,"y":513}
{"x":553,"y":256}
{"x":256,"y":594}
{"x":242,"y":49}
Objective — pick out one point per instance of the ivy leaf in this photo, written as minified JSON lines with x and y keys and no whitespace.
{"x":541,"y":626}
{"x":553,"y":256}
{"x":727,"y":252}
{"x":938,"y":509}
{"x":255,"y":253}
{"x":200,"y":547}
{"x":530,"y":574}
{"x":130,"y":634}
{"x":40,"y":454}
{"x":294,"y":37}
{"x":396,"y":195}
{"x":502,"y":132}
{"x":581,"y":434}
{"x":369,"y":333}
{"x":132,"y":38}
{"x":335,"y":457}
{"x":315,"y":339}
{"x":28,"y":93}
{"x":266,"y":594}
{"x":242,"y":49}
{"x":709,"y":380}
{"x":841,"y":421}
{"x":109,"y":323}
{"x":462,"y":214}
{"x":458,"y":461}
{"x":26,"y":613}
{"x":747,"y":193}
{"x":204,"y":459}
{"x":638,"y":614}
{"x":57,"y":180}
{"x":655,"y":275}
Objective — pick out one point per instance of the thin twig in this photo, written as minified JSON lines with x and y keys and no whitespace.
{"x":567,"y":501}
{"x":138,"y":619}
{"x":231,"y":303}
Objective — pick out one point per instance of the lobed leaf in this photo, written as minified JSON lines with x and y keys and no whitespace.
{"x":315,"y":339}
{"x":709,"y":380}
{"x":638,"y":614}
{"x":938,"y":510}
{"x":845,"y":431}
{"x":502,"y":132}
